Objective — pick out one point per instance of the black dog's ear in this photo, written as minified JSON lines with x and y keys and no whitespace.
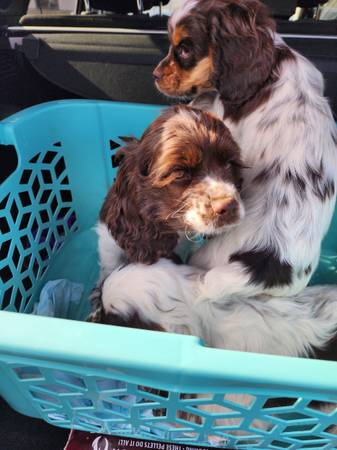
{"x":242,"y":48}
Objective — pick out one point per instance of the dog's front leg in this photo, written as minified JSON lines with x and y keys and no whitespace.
{"x":167,"y":294}
{"x":111,"y":256}
{"x":160,"y":293}
{"x":222,"y":282}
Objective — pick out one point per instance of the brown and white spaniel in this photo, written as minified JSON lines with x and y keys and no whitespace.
{"x":182,"y":178}
{"x":183,"y":175}
{"x":225,"y":47}
{"x":227,"y":57}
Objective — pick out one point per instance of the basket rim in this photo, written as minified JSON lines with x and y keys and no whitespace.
{"x":181,"y":362}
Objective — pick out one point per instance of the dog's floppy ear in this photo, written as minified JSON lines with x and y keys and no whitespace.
{"x":119,"y":155}
{"x":129,"y":214}
{"x":242,"y":49}
{"x":154,"y":243}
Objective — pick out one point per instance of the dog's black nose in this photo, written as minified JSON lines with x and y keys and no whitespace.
{"x":225,"y":207}
{"x":157,"y":75}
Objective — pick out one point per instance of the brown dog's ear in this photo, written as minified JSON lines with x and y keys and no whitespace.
{"x":128,"y":139}
{"x":130,"y":215}
{"x":154,"y":243}
{"x":117,"y":158}
{"x":242,"y":48}
{"x":119,"y":155}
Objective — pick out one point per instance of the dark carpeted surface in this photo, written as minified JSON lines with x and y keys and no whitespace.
{"x":18,"y":432}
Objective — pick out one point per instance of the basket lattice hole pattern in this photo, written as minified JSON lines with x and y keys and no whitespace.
{"x":112,"y":406}
{"x":114,"y":146}
{"x":28,"y":373}
{"x":8,"y":161}
{"x":35,"y":222}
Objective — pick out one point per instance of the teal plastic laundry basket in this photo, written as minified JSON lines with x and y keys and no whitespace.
{"x":92,"y":377}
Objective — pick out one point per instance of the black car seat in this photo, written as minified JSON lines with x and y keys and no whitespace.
{"x":124,"y":6}
{"x":114,"y":15}
{"x":281,"y":9}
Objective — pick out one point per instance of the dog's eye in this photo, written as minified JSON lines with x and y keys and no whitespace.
{"x":230,"y":163}
{"x":184,"y":51}
{"x":182,"y":176}
{"x":179,"y":174}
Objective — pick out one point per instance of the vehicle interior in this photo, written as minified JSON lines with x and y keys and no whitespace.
{"x":53,"y":49}
{"x":107,"y":49}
